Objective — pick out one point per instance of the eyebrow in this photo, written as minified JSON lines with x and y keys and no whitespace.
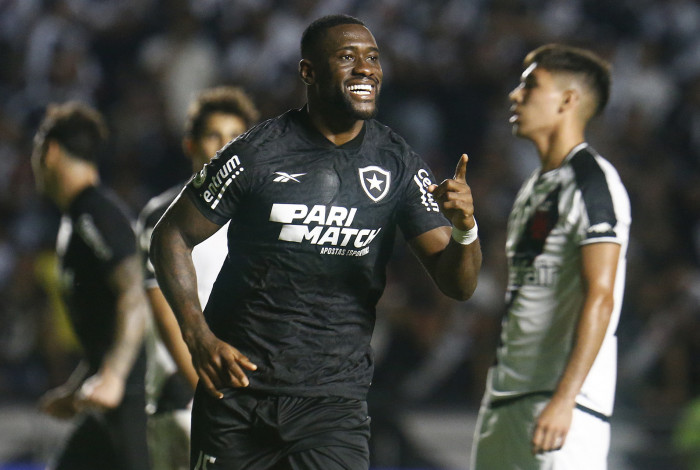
{"x":355,"y":46}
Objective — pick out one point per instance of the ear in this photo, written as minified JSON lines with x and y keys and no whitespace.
{"x":571,"y":98}
{"x":306,"y":72}
{"x":53,"y":154}
{"x":188,"y":146}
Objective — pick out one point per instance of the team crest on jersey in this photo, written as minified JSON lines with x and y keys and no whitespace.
{"x":375,"y":182}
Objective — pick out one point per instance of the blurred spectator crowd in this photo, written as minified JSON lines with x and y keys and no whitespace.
{"x":448,"y":68}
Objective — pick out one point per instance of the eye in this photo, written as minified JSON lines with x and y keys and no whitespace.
{"x":211,"y":136}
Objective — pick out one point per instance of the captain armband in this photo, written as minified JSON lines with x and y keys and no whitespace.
{"x":465,"y":237}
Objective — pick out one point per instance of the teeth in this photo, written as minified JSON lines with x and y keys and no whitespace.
{"x":361,"y":89}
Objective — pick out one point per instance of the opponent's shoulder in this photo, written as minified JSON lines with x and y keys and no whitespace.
{"x":591,"y":169}
{"x":156,"y":207}
{"x":602,"y":192}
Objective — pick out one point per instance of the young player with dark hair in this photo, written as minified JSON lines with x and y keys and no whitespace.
{"x":550,"y":394}
{"x":215,"y":117}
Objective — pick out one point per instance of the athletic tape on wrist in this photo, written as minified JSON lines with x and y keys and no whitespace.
{"x":465,"y":237}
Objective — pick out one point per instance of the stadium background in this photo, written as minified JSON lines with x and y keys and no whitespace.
{"x":449,"y":65}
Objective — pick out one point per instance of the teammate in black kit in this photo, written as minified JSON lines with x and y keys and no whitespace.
{"x":102,"y":283}
{"x":314,"y":198}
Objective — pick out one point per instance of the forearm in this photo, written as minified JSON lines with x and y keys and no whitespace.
{"x":171,"y":256}
{"x":132,"y":309}
{"x":457,"y":269}
{"x":589,"y":336}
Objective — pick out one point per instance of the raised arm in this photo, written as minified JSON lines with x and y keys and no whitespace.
{"x":599,"y":267}
{"x":453,"y":265}
{"x":105,"y":389}
{"x":181,"y":228}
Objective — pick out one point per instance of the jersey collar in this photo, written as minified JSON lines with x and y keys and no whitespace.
{"x":317,"y":138}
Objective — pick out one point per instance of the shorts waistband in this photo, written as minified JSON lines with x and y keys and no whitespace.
{"x":510,"y":400}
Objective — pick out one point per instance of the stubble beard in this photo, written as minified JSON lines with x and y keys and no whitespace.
{"x":363,"y":113}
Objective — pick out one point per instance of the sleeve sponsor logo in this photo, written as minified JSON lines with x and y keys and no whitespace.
{"x":603,"y":229}
{"x":322,"y":225}
{"x":200,"y":177}
{"x":375,"y":182}
{"x":219,"y":182}
{"x":422,"y":180}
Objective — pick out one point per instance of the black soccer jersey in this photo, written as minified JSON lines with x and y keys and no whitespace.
{"x":312,"y":229}
{"x":94,"y":236}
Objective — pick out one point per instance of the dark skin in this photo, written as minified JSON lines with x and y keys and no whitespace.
{"x":343,"y":78}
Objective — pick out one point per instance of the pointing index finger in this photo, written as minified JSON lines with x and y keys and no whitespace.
{"x":461,"y":171}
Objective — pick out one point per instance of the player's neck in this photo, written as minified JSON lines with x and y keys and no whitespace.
{"x":554,"y":148}
{"x":338,"y":130}
{"x":76,"y":179}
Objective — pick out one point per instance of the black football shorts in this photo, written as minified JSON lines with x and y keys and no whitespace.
{"x":255,"y":431}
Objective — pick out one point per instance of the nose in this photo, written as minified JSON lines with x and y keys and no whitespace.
{"x":515,"y":94}
{"x":366,"y":68}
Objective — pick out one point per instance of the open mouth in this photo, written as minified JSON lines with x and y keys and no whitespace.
{"x":514,"y":116}
{"x":363,"y":89}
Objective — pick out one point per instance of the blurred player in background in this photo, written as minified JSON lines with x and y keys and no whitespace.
{"x":550,"y":395}
{"x":216,"y":116}
{"x":314,"y":198}
{"x":102,"y":286}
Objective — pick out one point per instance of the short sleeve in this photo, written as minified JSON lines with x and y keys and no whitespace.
{"x":217,"y":189}
{"x":419,"y":211}
{"x":605,"y":208}
{"x":108,"y":232}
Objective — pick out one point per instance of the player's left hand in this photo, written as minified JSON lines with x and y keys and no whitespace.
{"x":455,"y":197}
{"x":102,"y":391}
{"x":552,"y":426}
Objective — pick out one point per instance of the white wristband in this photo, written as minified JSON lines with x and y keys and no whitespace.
{"x":465,"y":237}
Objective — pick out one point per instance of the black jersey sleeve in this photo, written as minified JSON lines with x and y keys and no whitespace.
{"x":106,"y":229}
{"x":419,"y":212}
{"x":218,"y":188}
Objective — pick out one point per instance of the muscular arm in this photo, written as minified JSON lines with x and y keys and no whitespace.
{"x":106,"y":388}
{"x":181,"y":228}
{"x":454,"y":267}
{"x":169,"y":331}
{"x":599,"y":267}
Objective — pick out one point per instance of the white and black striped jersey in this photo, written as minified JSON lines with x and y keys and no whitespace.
{"x":554,"y":215}
{"x":312,"y":229}
{"x":164,"y":390}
